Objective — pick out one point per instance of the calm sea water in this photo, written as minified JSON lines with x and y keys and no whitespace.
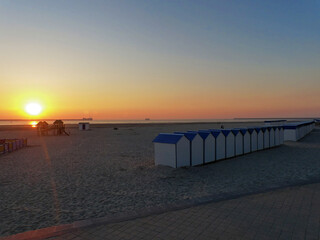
{"x":29,"y":122}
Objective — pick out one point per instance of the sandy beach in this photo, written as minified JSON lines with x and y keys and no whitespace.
{"x":101,"y":172}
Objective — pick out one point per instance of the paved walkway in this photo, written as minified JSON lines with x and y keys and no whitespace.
{"x":290,"y":213}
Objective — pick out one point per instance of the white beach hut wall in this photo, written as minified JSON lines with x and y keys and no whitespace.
{"x":238,"y":141}
{"x":220,"y":144}
{"x":172,"y":150}
{"x":259,"y":138}
{"x":246,"y":140}
{"x":229,"y":137}
{"x":304,"y":130}
{"x":300,"y":132}
{"x":276,"y":136}
{"x":266,"y":140}
{"x":253,"y":139}
{"x":281,"y":134}
{"x":294,"y":131}
{"x":271,"y":136}
{"x":208,"y":145}
{"x":196,"y":147}
{"x":290,"y":133}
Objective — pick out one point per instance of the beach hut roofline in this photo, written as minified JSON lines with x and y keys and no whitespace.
{"x":251,"y":130}
{"x":235,"y":131}
{"x":225,"y":132}
{"x":170,"y":138}
{"x":203,"y":133}
{"x":189,"y":135}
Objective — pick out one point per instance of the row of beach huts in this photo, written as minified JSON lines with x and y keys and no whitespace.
{"x":10,"y":145}
{"x":193,"y":148}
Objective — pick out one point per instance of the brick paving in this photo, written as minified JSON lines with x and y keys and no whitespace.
{"x":289,"y":213}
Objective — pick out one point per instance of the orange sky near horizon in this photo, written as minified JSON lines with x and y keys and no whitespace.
{"x":177,"y":103}
{"x":163,"y":60}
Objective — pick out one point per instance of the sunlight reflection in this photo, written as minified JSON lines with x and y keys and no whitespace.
{"x":33,"y":123}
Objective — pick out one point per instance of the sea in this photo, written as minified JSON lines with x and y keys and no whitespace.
{"x":8,"y":122}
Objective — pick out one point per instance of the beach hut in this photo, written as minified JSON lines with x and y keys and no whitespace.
{"x":208,"y":146}
{"x":220,"y":146}
{"x":25,"y":142}
{"x":273,"y":122}
{"x":271,"y":136}
{"x":290,"y":132}
{"x":42,"y":128}
{"x":296,"y":131}
{"x":18,"y":143}
{"x":315,"y":123}
{"x":84,"y":126}
{"x":309,"y":128}
{"x":14,"y":144}
{"x":196,"y":147}
{"x":259,"y":138}
{"x":58,"y":128}
{"x":238,"y":141}
{"x":6,"y":147}
{"x":266,"y":140}
{"x":276,"y":136}
{"x":2,"y":149}
{"x":281,"y":135}
{"x":229,"y":138}
{"x":3,"y":146}
{"x":172,"y":150}
{"x":253,"y":139}
{"x":246,"y":140}
{"x":9,"y":146}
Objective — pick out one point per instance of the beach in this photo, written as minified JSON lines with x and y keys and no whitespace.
{"x":103,"y":172}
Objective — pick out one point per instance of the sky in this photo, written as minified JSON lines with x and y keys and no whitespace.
{"x":174,"y":59}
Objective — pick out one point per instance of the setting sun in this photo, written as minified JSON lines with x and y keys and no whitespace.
{"x":33,"y":109}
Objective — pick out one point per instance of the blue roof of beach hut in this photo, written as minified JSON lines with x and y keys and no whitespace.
{"x":258,"y":129}
{"x":215,"y":132}
{"x":189,"y":135}
{"x":170,"y":138}
{"x":274,"y":121}
{"x":204,"y":133}
{"x":242,"y":130}
{"x":225,"y":131}
{"x":263,"y":129}
{"x":235,"y":131}
{"x":251,"y":130}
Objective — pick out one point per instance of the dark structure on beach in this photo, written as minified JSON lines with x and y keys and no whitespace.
{"x":58,"y":128}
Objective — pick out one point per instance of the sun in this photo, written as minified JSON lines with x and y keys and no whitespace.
{"x":33,"y":109}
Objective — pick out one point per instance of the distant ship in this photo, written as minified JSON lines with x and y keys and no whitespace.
{"x":147,"y":119}
{"x":88,"y":119}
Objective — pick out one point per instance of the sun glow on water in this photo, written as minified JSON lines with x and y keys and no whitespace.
{"x":33,"y":124}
